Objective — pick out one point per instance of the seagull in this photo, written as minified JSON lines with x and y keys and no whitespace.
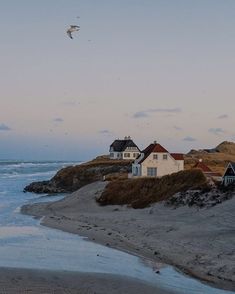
{"x":72,"y":29}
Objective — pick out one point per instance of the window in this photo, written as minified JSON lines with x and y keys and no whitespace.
{"x":154,"y":156}
{"x":127,"y":155}
{"x":151,"y":171}
{"x":165,"y":156}
{"x":111,"y":154}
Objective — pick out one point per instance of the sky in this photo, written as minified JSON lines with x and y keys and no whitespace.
{"x":151,"y":69}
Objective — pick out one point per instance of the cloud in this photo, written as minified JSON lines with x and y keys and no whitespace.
{"x":140,"y":114}
{"x":106,"y":132}
{"x":223,"y":116}
{"x":166,"y":110}
{"x":58,"y":119}
{"x":177,"y":128}
{"x":216,"y":131}
{"x":145,"y":113}
{"x":70,"y":103}
{"x":189,"y":139}
{"x":4,"y":127}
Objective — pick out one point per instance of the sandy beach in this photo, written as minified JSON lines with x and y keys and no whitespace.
{"x":199,"y":242}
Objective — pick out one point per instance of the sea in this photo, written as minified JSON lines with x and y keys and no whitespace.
{"x":24,"y":243}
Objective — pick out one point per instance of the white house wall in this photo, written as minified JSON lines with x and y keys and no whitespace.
{"x":132,"y":153}
{"x":164,"y":166}
{"x":127,"y":154}
{"x":116,"y":155}
{"x":181,"y":164}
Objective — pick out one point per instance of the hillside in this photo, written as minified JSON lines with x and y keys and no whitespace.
{"x":72,"y":178}
{"x":216,"y":158}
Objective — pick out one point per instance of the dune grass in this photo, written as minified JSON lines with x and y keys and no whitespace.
{"x":141,"y":192}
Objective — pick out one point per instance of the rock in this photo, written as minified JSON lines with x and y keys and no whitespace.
{"x":44,"y":187}
{"x":199,"y":198}
{"x":72,"y":178}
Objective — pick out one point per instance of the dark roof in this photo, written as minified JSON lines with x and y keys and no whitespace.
{"x":157,"y":148}
{"x":121,"y":145}
{"x":202,"y":166}
{"x":233,"y":165}
{"x":230,"y":166}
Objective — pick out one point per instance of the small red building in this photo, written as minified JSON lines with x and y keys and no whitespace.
{"x":207,"y":171}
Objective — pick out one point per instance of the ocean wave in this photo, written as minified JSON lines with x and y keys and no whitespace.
{"x":30,"y":169}
{"x":21,"y":175}
{"x":27,"y":164}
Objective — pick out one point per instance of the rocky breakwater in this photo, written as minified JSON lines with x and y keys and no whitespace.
{"x":72,"y":178}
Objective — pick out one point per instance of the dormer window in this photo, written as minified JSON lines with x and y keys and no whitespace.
{"x":155,"y":156}
{"x":165,"y":156}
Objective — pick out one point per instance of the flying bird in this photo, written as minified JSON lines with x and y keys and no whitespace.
{"x":72,"y":29}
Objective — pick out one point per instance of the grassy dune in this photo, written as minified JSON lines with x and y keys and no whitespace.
{"x":141,"y":192}
{"x":216,"y":158}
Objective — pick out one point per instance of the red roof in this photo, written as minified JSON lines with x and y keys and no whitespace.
{"x":177,"y":156}
{"x":202,"y":166}
{"x":157,"y":148}
{"x":154,"y":147}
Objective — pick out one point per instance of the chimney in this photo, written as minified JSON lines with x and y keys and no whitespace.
{"x":155,"y":142}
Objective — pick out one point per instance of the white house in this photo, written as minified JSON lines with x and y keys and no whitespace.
{"x":229,"y":175}
{"x":156,"y":161}
{"x":124,"y":149}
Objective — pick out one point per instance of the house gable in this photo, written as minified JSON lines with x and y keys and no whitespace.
{"x":152,"y":148}
{"x":124,"y":149}
{"x":229,"y":175}
{"x":123,"y":145}
{"x":230,"y":170}
{"x":156,"y":161}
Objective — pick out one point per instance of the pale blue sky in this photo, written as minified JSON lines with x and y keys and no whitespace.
{"x":152,"y":69}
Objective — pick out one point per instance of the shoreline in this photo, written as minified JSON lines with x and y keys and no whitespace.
{"x":146,"y":233}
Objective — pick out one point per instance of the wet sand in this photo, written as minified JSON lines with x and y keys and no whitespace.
{"x":199,"y":242}
{"x":22,"y":281}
